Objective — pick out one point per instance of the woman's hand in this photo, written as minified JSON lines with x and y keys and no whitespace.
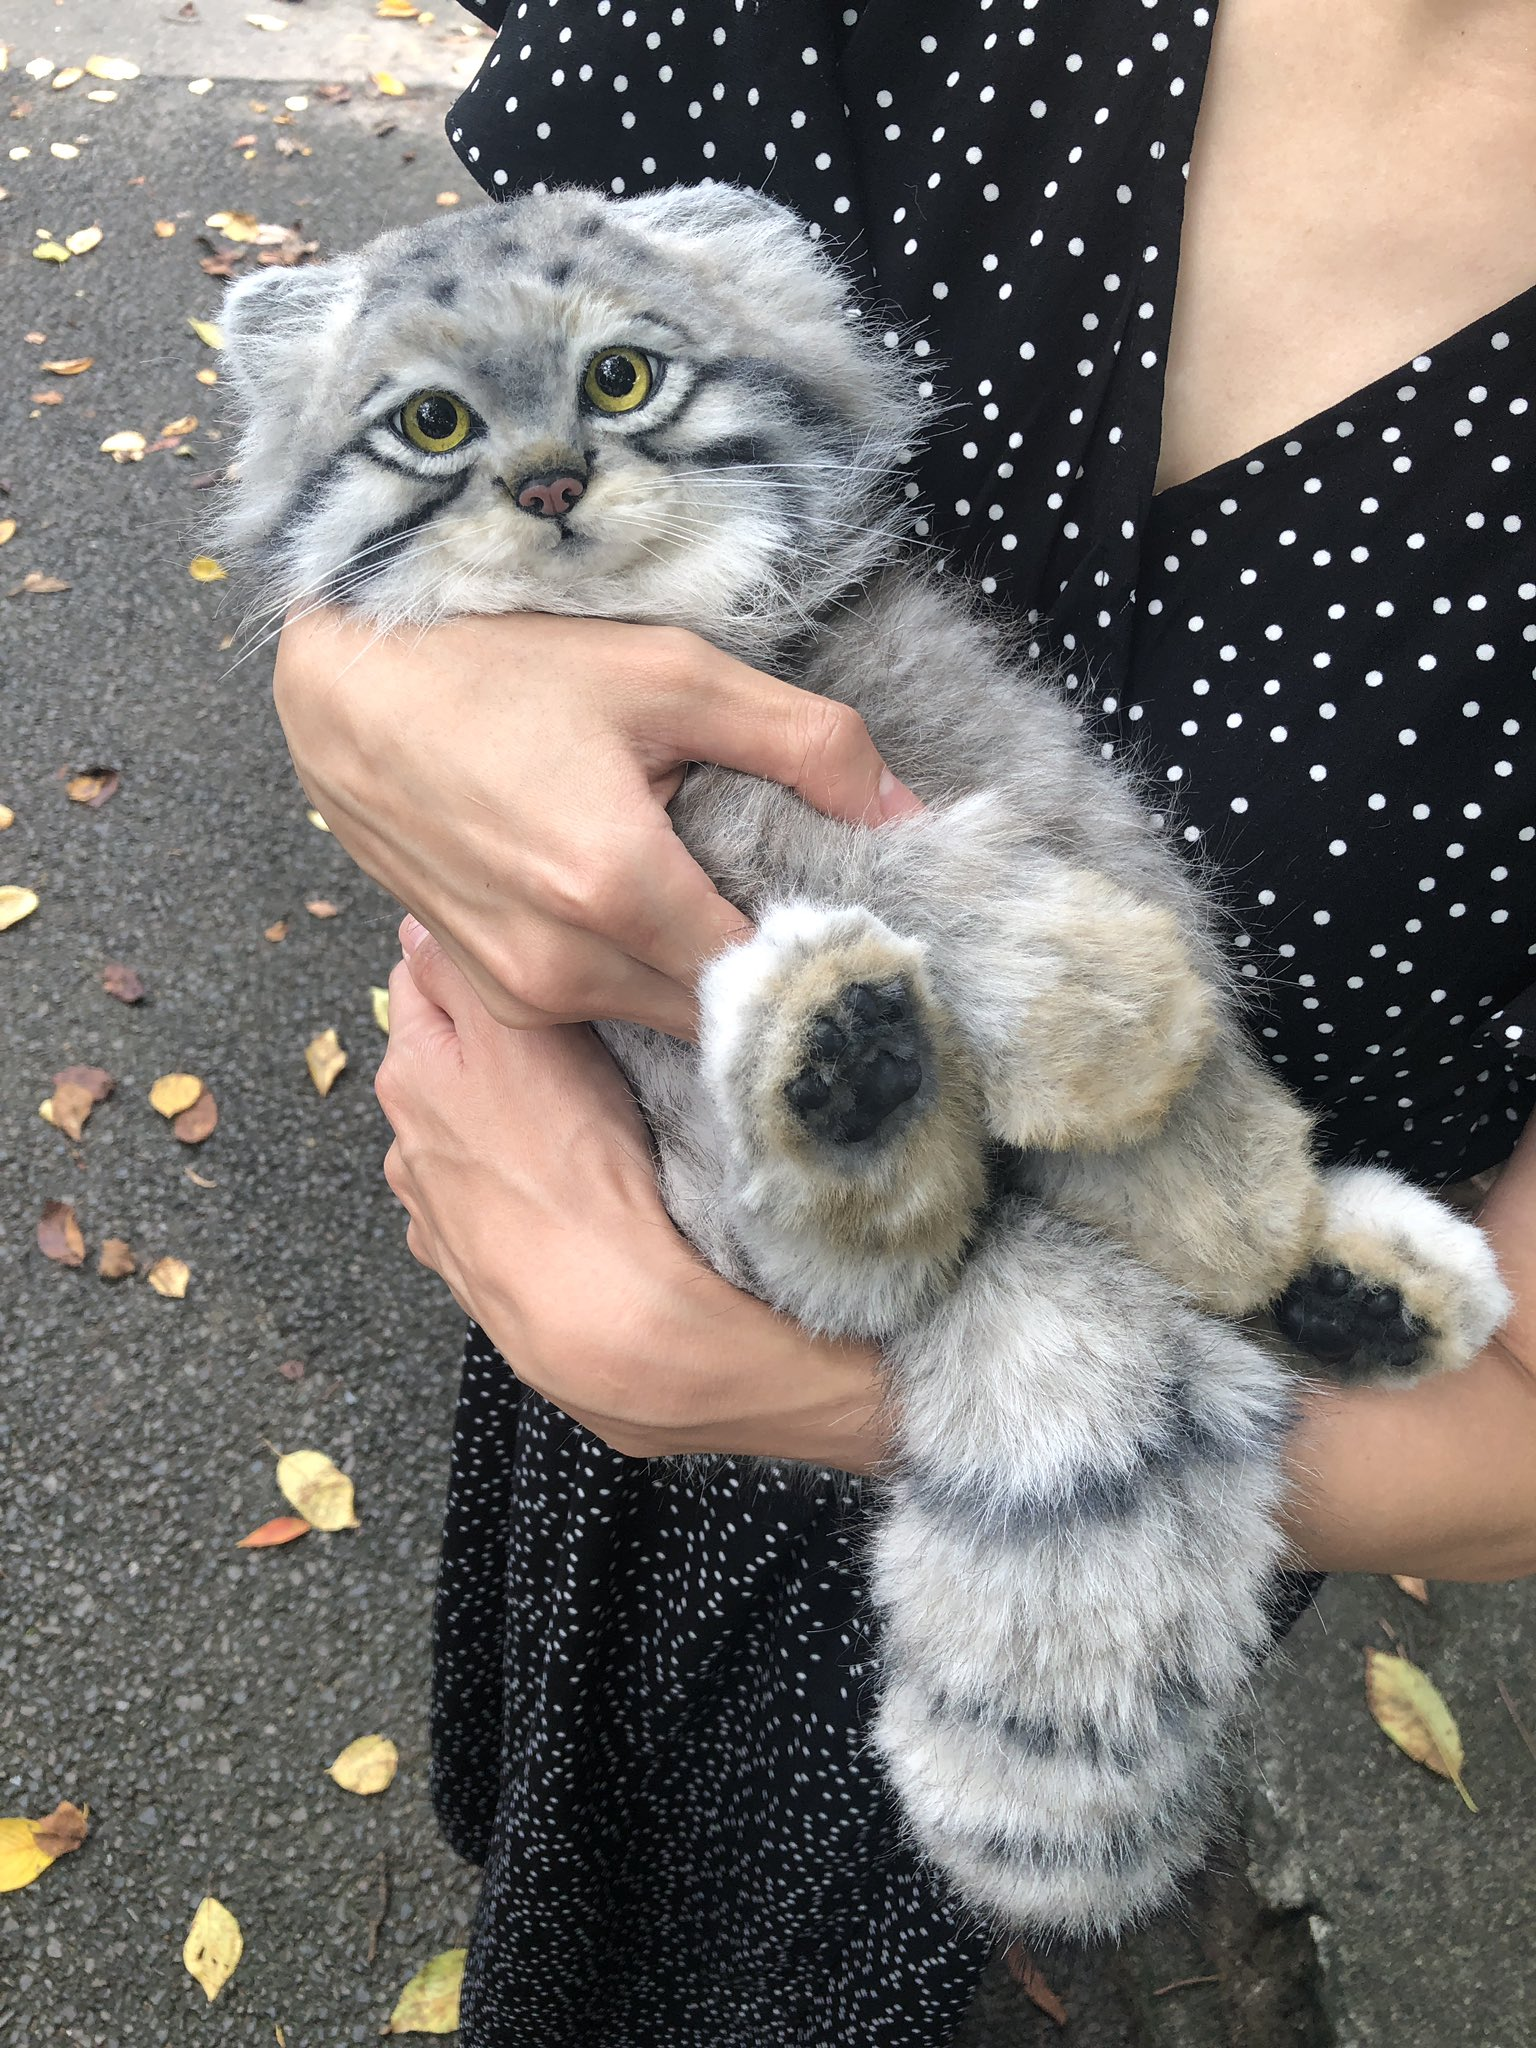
{"x":526,"y":1170}
{"x":507,"y":780}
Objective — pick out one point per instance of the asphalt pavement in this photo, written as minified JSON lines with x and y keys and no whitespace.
{"x":191,"y":1694}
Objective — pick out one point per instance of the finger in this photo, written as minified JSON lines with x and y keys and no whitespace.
{"x":559,"y":974}
{"x":414,"y":1017}
{"x":725,"y":712}
{"x":678,"y":919}
{"x":436,"y":975}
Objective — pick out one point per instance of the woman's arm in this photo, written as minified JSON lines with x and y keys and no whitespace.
{"x":506,"y":779}
{"x":530,"y":1139}
{"x":1437,"y":1480}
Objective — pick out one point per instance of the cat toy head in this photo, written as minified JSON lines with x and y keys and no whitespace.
{"x":660,"y":409}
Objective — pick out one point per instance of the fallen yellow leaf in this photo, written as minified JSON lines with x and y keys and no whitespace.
{"x":117,"y":1260}
{"x":70,"y":366}
{"x":173,"y":1093}
{"x":82,"y":240}
{"x":170,"y":1277}
{"x":7,"y":817}
{"x":387,"y":10}
{"x":50,"y":252}
{"x":213,"y":1947}
{"x":116,"y":69}
{"x":206,"y":377}
{"x":1416,"y":1589}
{"x":15,"y":904}
{"x":204,"y":569}
{"x":367,"y":1765}
{"x":199,"y":85}
{"x":429,"y":2004}
{"x":379,"y":998}
{"x":66,"y":150}
{"x":165,"y":229}
{"x":102,"y":97}
{"x":308,"y":1481}
{"x":447,"y":198}
{"x":325,"y":1059}
{"x":27,"y":1847}
{"x":70,"y":75}
{"x":317,"y":821}
{"x":8,"y":526}
{"x":128,"y":445}
{"x":387,"y":83}
{"x":1406,"y":1706}
{"x":207,"y":331}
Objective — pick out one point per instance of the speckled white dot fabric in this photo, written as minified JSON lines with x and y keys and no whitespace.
{"x":652,"y":1683}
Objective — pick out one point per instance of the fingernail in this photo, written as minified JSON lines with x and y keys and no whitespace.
{"x":411,"y":934}
{"x":895,"y":799}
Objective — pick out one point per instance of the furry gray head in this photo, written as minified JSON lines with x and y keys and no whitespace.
{"x":658,"y":409}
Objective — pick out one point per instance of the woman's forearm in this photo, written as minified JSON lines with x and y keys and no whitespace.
{"x":1437,"y":1480}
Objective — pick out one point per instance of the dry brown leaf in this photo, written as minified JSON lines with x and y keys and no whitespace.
{"x":36,"y":584}
{"x":7,"y":817}
{"x":15,"y":904}
{"x":59,"y":1235}
{"x":1406,"y":1706}
{"x":96,"y":1079}
{"x":429,"y":2004}
{"x":165,"y":229}
{"x":447,"y":198}
{"x":176,"y":429}
{"x":199,"y":1122}
{"x":173,"y":1093}
{"x":197,"y":1179}
{"x":213,"y":1947}
{"x":63,"y":1830}
{"x":170,"y":1277}
{"x":367,"y":1765}
{"x":93,"y":786}
{"x":67,"y":1108}
{"x":122,"y":982}
{"x":320,"y":906}
{"x":310,"y":1482}
{"x":117,"y":1260}
{"x":325,"y":1059}
{"x":1026,"y":1974}
{"x":277,"y":932}
{"x":69,"y":366}
{"x":292,"y":1369}
{"x":1416,"y":1589}
{"x":281,"y":1529}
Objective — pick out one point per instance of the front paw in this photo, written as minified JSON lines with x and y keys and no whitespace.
{"x":1399,"y":1286}
{"x":843,"y":1088}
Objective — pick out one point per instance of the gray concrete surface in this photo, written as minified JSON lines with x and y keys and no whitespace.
{"x":192,"y":1694}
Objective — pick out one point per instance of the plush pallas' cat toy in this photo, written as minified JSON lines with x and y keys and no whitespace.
{"x":978,"y":1087}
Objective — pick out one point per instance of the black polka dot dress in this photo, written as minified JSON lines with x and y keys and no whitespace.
{"x":651,"y":1687}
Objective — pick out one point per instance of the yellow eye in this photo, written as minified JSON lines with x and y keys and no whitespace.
{"x":435,"y":421}
{"x":618,"y":379}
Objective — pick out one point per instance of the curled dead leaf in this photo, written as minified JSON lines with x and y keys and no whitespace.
{"x":36,"y":584}
{"x":208,"y":332}
{"x":367,"y":1765}
{"x":309,"y":1481}
{"x":170,"y":1277}
{"x":15,"y":904}
{"x":325,"y":1059}
{"x":199,"y":1122}
{"x":122,"y":982}
{"x":28,"y":1847}
{"x":429,"y":2004}
{"x":173,"y":1093}
{"x":281,"y":1529}
{"x":213,"y":1947}
{"x":70,"y":366}
{"x":59,"y":1236}
{"x":96,"y":1080}
{"x":117,"y":1260}
{"x":1026,"y":1973}
{"x":93,"y":787}
{"x":67,"y":1108}
{"x":1407,"y":1706}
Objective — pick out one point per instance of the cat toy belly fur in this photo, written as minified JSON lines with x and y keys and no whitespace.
{"x":978,"y":1087}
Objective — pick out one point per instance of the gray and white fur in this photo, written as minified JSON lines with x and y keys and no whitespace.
{"x":978,"y":1087}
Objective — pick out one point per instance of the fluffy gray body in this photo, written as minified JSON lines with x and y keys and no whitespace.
{"x":978,"y":1087}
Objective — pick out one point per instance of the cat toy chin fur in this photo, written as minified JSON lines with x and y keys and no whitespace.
{"x":978,"y":1087}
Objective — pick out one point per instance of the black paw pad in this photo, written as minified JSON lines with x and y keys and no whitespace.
{"x":1355,"y":1326}
{"x":864,"y":1060}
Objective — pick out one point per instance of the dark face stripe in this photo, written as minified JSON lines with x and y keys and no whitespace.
{"x":381,"y":548}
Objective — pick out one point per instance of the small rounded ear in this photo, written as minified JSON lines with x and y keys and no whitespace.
{"x":273,"y":312}
{"x":712,"y":209}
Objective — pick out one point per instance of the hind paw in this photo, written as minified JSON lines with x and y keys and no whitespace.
{"x":1399,"y":1286}
{"x":866,"y":1054}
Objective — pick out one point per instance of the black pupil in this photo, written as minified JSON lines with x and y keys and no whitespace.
{"x":437,"y":419}
{"x":616,"y":376}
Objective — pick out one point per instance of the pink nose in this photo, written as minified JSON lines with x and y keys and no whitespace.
{"x":549,"y":497}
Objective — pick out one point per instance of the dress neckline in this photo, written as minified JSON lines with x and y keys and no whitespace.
{"x":1511,"y":310}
